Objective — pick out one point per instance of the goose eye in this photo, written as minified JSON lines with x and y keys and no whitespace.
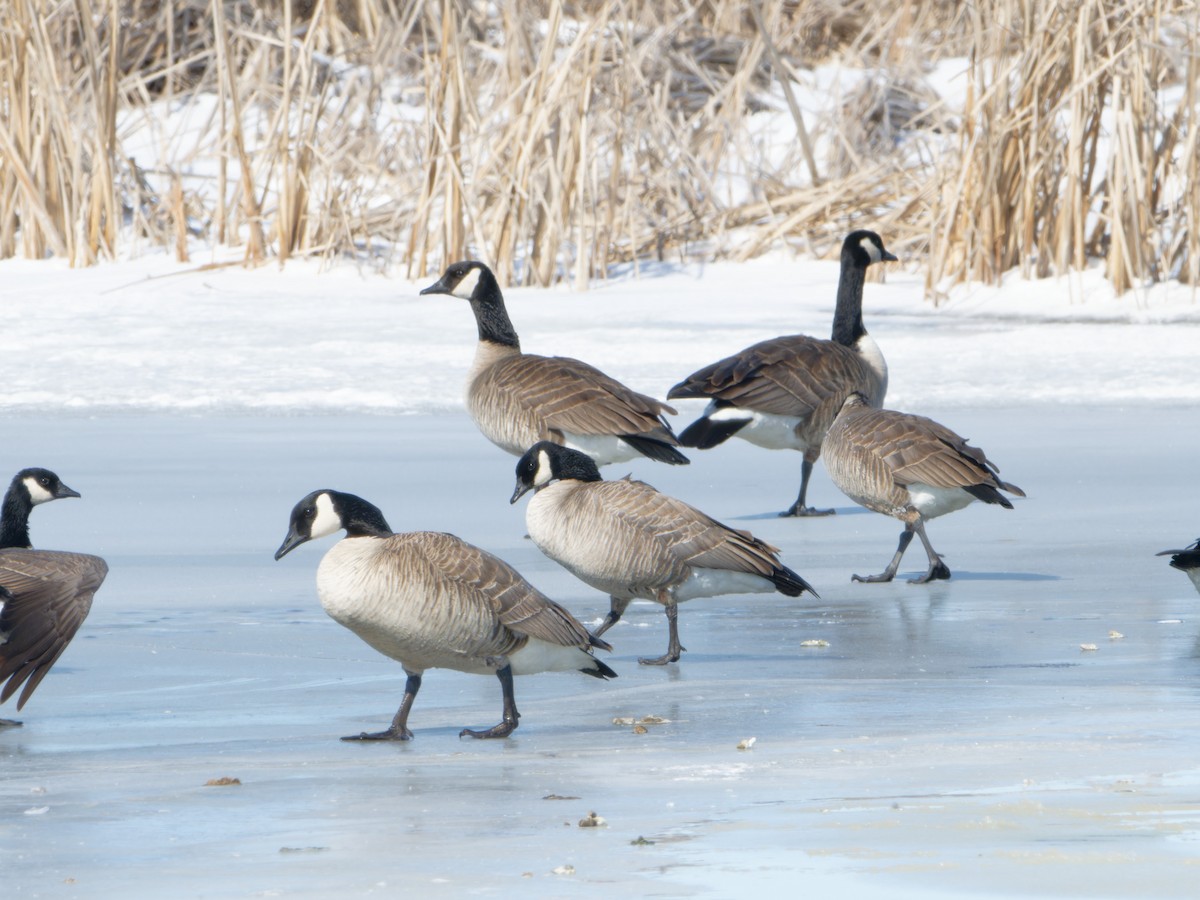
{"x":44,"y":481}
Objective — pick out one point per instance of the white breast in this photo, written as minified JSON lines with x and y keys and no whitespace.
{"x":873,"y":357}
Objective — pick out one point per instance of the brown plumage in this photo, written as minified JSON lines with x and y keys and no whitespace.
{"x":517,"y":399}
{"x":46,"y":595}
{"x":785,"y":392}
{"x":431,"y":600}
{"x":631,"y":541}
{"x":909,"y":467}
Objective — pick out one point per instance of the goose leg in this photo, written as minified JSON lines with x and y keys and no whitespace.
{"x":800,"y":507}
{"x":616,"y":609}
{"x":9,"y":723}
{"x":674,"y":648}
{"x":399,"y":728}
{"x":509,"y":723}
{"x":938,"y":570}
{"x":889,"y":573}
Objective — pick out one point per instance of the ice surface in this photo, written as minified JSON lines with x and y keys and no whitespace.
{"x":950,"y":740}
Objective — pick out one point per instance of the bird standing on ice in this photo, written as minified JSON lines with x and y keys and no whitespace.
{"x":431,"y":600}
{"x":911,"y":468}
{"x":629,"y":540}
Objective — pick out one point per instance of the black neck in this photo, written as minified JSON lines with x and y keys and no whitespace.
{"x":575,"y":465}
{"x":362,"y":519}
{"x":847,"y":318}
{"x":14,"y":518}
{"x":490,"y":315}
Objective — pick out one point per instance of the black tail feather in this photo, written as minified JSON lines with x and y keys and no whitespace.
{"x":988,"y":494}
{"x":653,"y":448}
{"x":790,"y":583}
{"x":704,"y":433}
{"x":601,"y":671}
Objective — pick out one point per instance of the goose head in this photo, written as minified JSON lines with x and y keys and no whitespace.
{"x":467,"y":280}
{"x":41,"y":485}
{"x":864,"y":247}
{"x":324,"y":512}
{"x":546,"y":462}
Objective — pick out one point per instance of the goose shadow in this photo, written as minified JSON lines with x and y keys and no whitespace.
{"x":768,"y":516}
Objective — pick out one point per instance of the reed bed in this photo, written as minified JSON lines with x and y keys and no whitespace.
{"x":557,"y":139}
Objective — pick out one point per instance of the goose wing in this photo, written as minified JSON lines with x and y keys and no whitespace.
{"x":658,"y":524}
{"x":917,"y":450}
{"x":46,"y":596}
{"x":568,"y":395}
{"x":792,"y":375}
{"x":489,"y":582}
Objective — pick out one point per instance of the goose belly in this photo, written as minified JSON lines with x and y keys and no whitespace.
{"x":767,"y":430}
{"x":932,"y":502}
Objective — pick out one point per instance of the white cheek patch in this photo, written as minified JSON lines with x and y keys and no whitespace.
{"x":544,"y":473}
{"x":466,"y":286}
{"x":326,"y":521}
{"x":37,"y":493}
{"x":872,"y":249}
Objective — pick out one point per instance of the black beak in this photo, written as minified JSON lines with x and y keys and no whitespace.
{"x":438,"y":287}
{"x":63,"y":491}
{"x":520,"y":491}
{"x":883,"y":254}
{"x":293,"y":540}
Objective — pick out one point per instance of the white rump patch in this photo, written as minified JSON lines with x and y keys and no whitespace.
{"x":542,"y":656}
{"x":714,"y":582}
{"x":765,"y":430}
{"x":466,"y":287}
{"x":932,"y":502}
{"x":37,"y":493}
{"x":603,"y":448}
{"x":327,"y":520}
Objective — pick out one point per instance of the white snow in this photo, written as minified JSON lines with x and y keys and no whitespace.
{"x":151,"y":335}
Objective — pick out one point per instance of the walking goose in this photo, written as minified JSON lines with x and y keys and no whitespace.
{"x":517,"y":399}
{"x":630,"y":541}
{"x":44,"y":594}
{"x":911,"y":468}
{"x":1186,"y":560}
{"x":785,"y":392}
{"x":431,"y":600}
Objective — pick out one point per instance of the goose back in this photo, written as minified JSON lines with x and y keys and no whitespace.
{"x":796,"y":377}
{"x":517,"y":400}
{"x":629,"y":540}
{"x":901,"y":464}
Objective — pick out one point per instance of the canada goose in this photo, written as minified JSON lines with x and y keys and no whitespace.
{"x":1186,"y":560}
{"x":785,"y":392}
{"x":630,"y":541}
{"x":517,"y":399}
{"x":909,"y":467}
{"x":44,"y":594}
{"x":431,"y":600}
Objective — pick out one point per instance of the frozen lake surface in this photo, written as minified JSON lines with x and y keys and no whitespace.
{"x":951,"y":739}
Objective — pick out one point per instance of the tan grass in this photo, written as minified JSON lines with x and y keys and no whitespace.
{"x":556,"y":139}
